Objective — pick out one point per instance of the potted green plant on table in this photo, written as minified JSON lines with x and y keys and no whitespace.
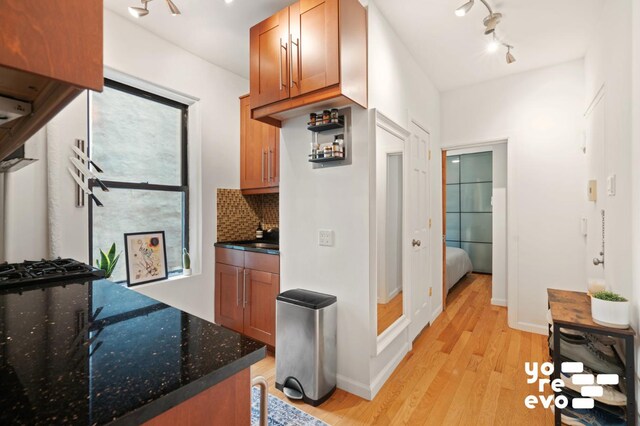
{"x":108,"y":261}
{"x":610,"y":309}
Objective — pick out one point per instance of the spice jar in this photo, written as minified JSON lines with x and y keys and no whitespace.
{"x":334,"y":116}
{"x":328,"y":151}
{"x":326,"y":116}
{"x":312,"y":119}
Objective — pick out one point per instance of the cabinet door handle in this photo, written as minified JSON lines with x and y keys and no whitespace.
{"x":282,"y":83}
{"x":269,"y":164}
{"x":262,"y":168}
{"x":297,"y":43}
{"x":297,"y":80}
{"x":238,"y":288}
{"x":244,"y":289}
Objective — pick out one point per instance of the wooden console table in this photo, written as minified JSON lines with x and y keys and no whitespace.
{"x":572,"y":310}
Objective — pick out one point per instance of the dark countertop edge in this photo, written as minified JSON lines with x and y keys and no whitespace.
{"x":180,"y":395}
{"x":235,"y":246}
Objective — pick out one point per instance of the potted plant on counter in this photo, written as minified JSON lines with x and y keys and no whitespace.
{"x":186,"y":263}
{"x":108,"y":261}
{"x":610,"y":309}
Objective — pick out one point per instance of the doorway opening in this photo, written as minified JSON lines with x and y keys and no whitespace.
{"x":474,"y":218}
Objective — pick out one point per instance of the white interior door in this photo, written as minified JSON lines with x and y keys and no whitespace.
{"x":417,"y":156}
{"x":595,"y":140}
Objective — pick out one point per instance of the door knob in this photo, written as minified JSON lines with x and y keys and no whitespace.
{"x":597,"y":261}
{"x":416,"y":243}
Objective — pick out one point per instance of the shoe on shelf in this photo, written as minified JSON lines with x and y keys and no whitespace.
{"x":600,"y":343}
{"x":589,"y":417}
{"x":610,"y":395}
{"x":588,"y":354}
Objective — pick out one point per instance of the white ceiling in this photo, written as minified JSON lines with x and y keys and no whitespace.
{"x":450,"y":49}
{"x":211,"y":29}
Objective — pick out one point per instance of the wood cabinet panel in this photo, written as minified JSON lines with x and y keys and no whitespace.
{"x":49,"y":52}
{"x":315,"y":47}
{"x":252,"y":151}
{"x":269,"y":68}
{"x":327,"y":60}
{"x":228,"y":296}
{"x":260,"y":311}
{"x":262,"y":262}
{"x":59,"y":39}
{"x":227,"y":403}
{"x":230,"y":256}
{"x":259,"y":152}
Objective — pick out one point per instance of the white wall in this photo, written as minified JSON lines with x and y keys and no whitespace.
{"x":539,"y":112}
{"x":608,"y":64}
{"x":635,"y":184}
{"x":338,"y":198}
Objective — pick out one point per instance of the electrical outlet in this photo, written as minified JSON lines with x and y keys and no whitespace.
{"x":325,"y":237}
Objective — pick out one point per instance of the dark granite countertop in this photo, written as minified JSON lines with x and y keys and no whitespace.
{"x":249,"y":245}
{"x":96,"y":352}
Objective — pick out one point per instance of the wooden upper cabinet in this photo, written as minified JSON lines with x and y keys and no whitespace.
{"x":50,"y":51}
{"x":259,"y":153}
{"x":269,"y":63}
{"x":325,"y":44}
{"x":314,"y":43}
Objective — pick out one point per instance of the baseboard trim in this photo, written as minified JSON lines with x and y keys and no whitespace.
{"x":386,"y":372}
{"x":533,"y":328}
{"x":436,"y":313}
{"x":499,"y":302}
{"x":354,"y":387}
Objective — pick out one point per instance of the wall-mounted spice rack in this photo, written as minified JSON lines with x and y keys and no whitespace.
{"x":331,"y":138}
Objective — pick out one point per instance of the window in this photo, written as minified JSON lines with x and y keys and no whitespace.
{"x":139,"y":140}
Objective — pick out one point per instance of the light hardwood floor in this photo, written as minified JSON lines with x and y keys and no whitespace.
{"x":465,"y":369}
{"x":388,"y":313}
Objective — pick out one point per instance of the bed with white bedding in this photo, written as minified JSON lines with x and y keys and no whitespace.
{"x":458,"y":265}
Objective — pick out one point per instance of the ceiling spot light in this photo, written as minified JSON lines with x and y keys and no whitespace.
{"x":139,"y":12}
{"x":510,"y":58}
{"x":461,"y":11}
{"x":493,"y":46}
{"x":173,"y":8}
{"x":228,"y":1}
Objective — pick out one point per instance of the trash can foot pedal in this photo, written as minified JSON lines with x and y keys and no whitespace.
{"x":292,"y":389}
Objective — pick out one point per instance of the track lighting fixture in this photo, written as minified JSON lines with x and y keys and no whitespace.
{"x":464,"y":9}
{"x":490,"y":22}
{"x":139,"y":12}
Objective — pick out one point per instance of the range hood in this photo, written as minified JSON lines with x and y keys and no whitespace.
{"x":15,"y":161}
{"x":10,"y":109}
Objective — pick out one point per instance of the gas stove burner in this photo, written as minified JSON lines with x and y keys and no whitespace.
{"x":45,"y":271}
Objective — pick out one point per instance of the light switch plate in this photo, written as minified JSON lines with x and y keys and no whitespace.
{"x":325,"y":237}
{"x":592,"y":190}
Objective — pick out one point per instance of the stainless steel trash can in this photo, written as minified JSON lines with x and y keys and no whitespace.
{"x":306,"y":345}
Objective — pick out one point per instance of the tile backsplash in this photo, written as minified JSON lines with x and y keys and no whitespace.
{"x":238,"y":215}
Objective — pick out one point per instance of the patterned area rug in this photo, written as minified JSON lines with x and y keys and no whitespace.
{"x":281,"y":413}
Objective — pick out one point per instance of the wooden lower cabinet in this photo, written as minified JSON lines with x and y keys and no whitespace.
{"x":246,"y":287}
{"x":260,"y":311}
{"x":227,"y":403}
{"x":229,"y":311}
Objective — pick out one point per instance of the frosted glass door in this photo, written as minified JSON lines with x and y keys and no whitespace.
{"x":469,"y":211}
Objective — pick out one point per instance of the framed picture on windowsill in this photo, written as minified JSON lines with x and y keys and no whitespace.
{"x":146,"y":256}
